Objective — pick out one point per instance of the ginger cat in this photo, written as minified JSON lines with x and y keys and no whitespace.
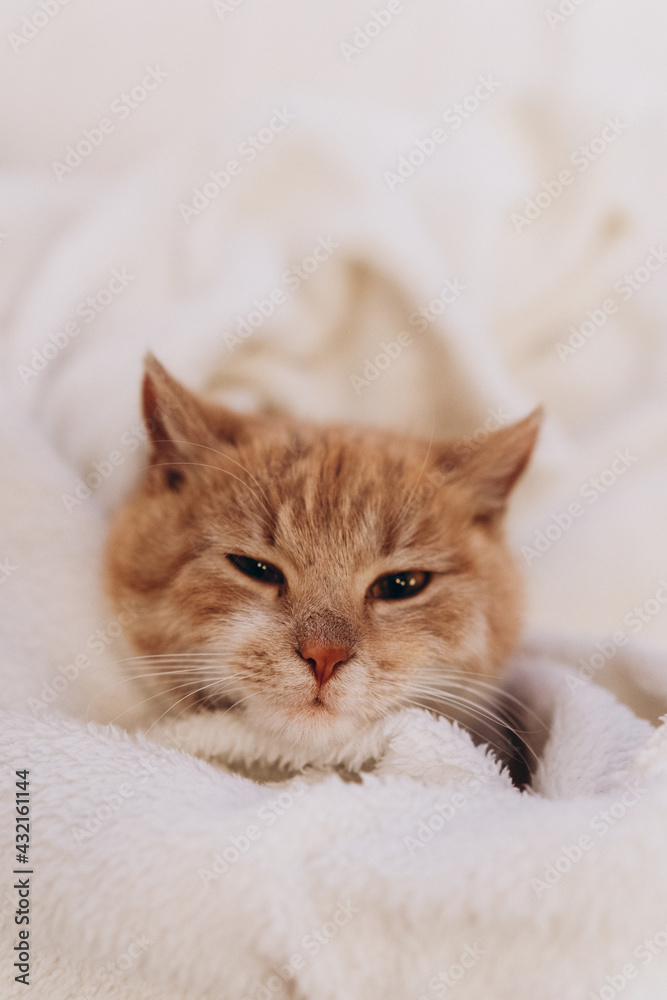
{"x":296,"y":574}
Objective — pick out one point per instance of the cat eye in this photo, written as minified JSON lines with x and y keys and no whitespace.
{"x":257,"y":569}
{"x":396,"y":586}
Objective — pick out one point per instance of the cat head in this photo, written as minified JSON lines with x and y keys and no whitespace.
{"x":314,"y":577}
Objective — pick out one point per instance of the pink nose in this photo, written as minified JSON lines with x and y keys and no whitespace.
{"x":324,"y":659}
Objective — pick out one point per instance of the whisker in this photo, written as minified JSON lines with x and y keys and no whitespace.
{"x":415,"y":702}
{"x":178,"y":667}
{"x":482,"y":710}
{"x":227,"y":458}
{"x":504,"y":725}
{"x":240,"y":701}
{"x":216,"y":468}
{"x":483,"y":736}
{"x":164,"y":692}
{"x":512,"y":713}
{"x":175,"y":672}
{"x":452,"y":697}
{"x":221,"y":713}
{"x":169,"y":656}
{"x":189,"y":694}
{"x":217,"y":711}
{"x":475,"y":681}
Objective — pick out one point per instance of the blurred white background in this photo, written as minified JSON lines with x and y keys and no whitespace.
{"x":563,"y":283}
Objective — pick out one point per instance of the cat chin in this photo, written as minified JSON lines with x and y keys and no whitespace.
{"x":238,"y":743}
{"x":310,"y":732}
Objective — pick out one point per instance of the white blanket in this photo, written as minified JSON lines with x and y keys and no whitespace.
{"x":158,"y":876}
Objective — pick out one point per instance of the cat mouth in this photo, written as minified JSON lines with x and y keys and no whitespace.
{"x":317,"y":706}
{"x":322,"y":704}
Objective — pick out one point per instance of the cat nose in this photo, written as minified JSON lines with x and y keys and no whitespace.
{"x":324,"y":659}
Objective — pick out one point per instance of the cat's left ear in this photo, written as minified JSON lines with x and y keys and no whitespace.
{"x":490,"y":471}
{"x":177,"y":420}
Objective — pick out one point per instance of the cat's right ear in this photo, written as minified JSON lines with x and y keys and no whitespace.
{"x":179,"y":424}
{"x":490,"y":470}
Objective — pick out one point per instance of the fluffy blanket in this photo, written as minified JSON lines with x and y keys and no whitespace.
{"x":158,"y":876}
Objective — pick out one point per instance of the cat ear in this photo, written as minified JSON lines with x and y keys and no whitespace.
{"x":492,"y":470}
{"x":177,"y":420}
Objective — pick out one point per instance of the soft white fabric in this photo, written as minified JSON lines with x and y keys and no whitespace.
{"x":181,"y":288}
{"x":435,"y":856}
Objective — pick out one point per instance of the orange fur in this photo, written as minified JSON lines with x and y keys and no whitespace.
{"x":334,"y":508}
